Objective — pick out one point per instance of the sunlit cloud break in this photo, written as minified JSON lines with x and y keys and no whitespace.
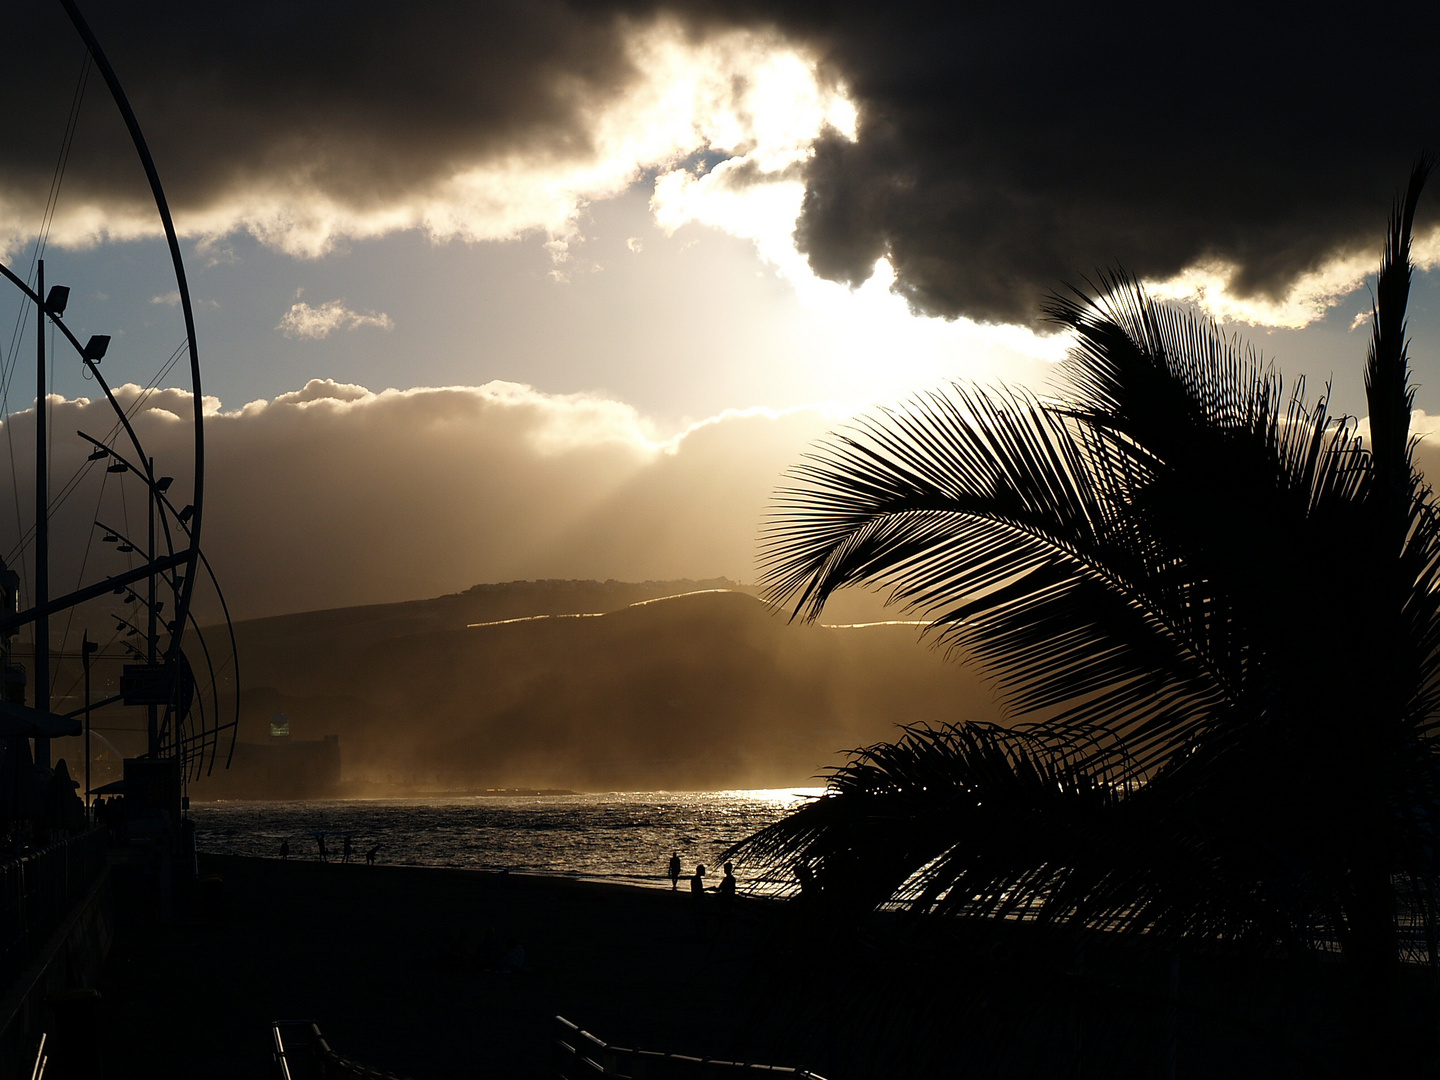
{"x":303,"y":321}
{"x":1309,"y":298}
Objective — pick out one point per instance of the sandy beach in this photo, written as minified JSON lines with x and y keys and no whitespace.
{"x":365,"y":952}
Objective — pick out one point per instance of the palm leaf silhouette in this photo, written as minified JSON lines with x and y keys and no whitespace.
{"x":1217,"y":610}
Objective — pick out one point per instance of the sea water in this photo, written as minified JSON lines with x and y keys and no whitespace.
{"x":619,"y":836}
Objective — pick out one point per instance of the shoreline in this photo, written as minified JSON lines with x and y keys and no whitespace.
{"x":809,"y":789}
{"x":595,"y":837}
{"x":541,"y":878}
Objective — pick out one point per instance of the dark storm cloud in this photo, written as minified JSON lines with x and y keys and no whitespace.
{"x":1009,"y":148}
{"x":364,"y":99}
{"x":1002,"y":149}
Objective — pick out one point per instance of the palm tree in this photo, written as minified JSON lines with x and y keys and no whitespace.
{"x":1214,"y":608}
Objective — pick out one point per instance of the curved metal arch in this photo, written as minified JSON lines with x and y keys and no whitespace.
{"x":178,"y":568}
{"x":162,"y":206}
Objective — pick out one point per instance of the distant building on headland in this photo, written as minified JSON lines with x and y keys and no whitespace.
{"x":282,"y":767}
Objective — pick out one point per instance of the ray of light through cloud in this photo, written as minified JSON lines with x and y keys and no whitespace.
{"x":535,"y":277}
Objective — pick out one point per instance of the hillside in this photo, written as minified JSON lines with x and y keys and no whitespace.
{"x":614,"y":686}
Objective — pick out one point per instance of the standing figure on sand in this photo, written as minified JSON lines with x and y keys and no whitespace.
{"x":725,"y":900}
{"x":675,"y":871}
{"x":726,"y":888}
{"x":697,"y":894}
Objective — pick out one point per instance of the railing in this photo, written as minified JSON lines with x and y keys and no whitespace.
{"x":39,"y":889}
{"x":301,"y":1053}
{"x":582,"y":1056}
{"x":41,"y":1060}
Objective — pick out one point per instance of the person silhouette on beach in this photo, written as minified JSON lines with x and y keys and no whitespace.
{"x":285,"y":848}
{"x":370,"y":855}
{"x":697,"y":892}
{"x":348,"y":850}
{"x":725,"y":898}
{"x":675,"y":871}
{"x":726,"y":888}
{"x":320,"y":840}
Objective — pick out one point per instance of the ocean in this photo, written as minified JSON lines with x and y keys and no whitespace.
{"x":619,"y":836}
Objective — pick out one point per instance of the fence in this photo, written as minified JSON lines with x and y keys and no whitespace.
{"x":582,"y":1056}
{"x":38,"y":890}
{"x":301,"y":1053}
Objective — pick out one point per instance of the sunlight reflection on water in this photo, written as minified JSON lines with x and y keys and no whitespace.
{"x":618,"y":836}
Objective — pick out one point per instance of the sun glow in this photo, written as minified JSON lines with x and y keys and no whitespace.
{"x":869,"y":347}
{"x":873,"y":347}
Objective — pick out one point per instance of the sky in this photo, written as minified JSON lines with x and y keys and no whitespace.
{"x":560,"y":289}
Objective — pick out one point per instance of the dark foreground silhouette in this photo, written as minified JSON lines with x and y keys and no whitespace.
{"x":354,"y":949}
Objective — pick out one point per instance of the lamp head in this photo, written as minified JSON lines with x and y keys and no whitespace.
{"x":94,"y":350}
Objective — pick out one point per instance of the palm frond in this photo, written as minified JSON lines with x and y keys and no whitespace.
{"x":1098,"y":557}
{"x":978,"y":821}
{"x":1224,"y":608}
{"x":988,"y":513}
{"x":1387,"y":387}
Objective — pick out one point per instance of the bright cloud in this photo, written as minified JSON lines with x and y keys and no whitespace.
{"x":746,"y":92}
{"x":303,"y":321}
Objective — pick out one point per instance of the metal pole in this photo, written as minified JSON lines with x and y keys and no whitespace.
{"x":42,"y":525}
{"x":152,"y":635}
{"x":86,"y":648}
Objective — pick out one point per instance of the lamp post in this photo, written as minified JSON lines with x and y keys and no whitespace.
{"x":42,"y":526}
{"x":86,"y":648}
{"x":50,"y":303}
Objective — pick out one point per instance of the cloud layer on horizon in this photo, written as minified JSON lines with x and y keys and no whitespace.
{"x":334,"y":495}
{"x":1246,"y":156}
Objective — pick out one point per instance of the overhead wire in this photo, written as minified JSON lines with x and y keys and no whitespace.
{"x":9,"y":365}
{"x":84,"y":468}
{"x":41,"y":241}
{"x":84,"y":561}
